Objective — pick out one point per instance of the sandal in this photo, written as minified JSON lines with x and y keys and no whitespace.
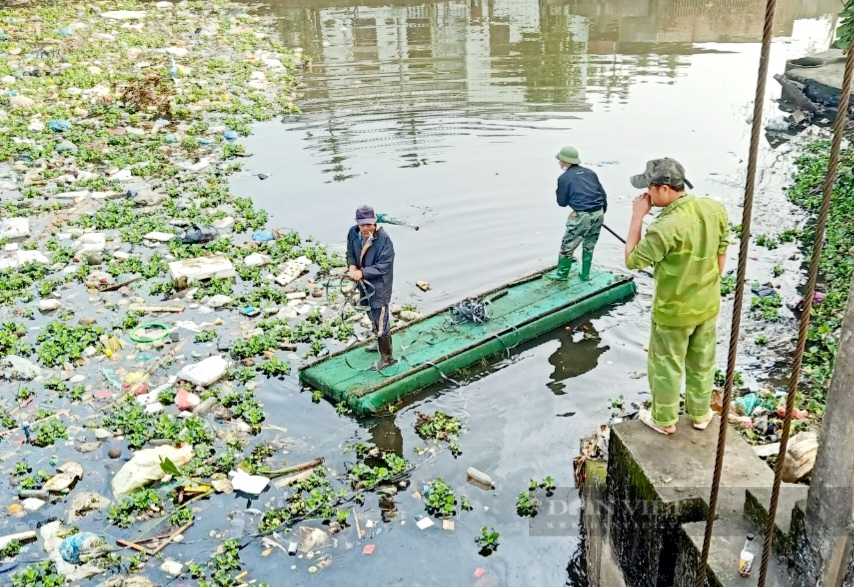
{"x":705,"y":423}
{"x":645,"y":416}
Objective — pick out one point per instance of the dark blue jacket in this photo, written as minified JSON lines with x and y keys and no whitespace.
{"x":579,"y":188}
{"x":376,"y":262}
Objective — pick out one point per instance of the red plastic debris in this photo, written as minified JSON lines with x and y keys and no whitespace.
{"x":797,"y":414}
{"x":141,"y":390}
{"x":369,"y":549}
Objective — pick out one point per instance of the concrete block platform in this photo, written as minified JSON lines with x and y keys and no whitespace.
{"x":756,"y":509}
{"x":727,"y":541}
{"x":658,"y":489}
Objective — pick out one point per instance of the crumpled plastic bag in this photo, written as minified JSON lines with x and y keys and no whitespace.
{"x":77,"y":545}
{"x":52,"y":543}
{"x":144,"y":467}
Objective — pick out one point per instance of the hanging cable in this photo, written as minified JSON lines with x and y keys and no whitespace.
{"x":818,"y":245}
{"x":747,"y":214}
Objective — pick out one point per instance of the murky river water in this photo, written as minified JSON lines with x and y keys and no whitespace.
{"x":448,"y":114}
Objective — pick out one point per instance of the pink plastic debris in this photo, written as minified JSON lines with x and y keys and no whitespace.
{"x":369,"y":549}
{"x":478,"y":572}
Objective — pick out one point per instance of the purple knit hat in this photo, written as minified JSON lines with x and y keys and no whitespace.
{"x":365,"y":215}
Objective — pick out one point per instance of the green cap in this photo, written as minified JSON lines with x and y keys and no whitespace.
{"x":569,"y":155}
{"x":660,"y":172}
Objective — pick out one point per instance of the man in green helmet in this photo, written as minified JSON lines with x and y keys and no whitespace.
{"x":686,"y":244}
{"x":578,"y":188}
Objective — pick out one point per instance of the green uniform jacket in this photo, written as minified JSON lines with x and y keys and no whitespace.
{"x":683,"y":245}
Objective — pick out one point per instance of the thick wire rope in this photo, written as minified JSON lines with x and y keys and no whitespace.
{"x":747,"y":214}
{"x":818,"y":245}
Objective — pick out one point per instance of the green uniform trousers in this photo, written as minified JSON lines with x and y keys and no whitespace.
{"x":582,"y":228}
{"x":676,"y":353}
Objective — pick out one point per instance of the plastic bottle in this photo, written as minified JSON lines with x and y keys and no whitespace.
{"x":745,"y":562}
{"x":480,"y":477}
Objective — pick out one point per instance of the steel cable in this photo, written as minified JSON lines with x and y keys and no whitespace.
{"x":747,"y":214}
{"x":818,"y":245}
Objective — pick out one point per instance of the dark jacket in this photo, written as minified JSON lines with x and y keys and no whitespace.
{"x":376,"y":262}
{"x":579,"y":188}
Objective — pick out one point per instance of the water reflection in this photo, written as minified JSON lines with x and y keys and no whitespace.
{"x":578,"y":353}
{"x":401,"y":77}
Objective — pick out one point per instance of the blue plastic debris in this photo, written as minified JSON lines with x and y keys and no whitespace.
{"x":65,"y":32}
{"x":72,"y":547}
{"x":263,"y":236}
{"x":59,"y":125}
{"x":230,"y":135}
{"x":66,"y":147}
{"x":170,"y":139}
{"x":205,"y":141}
{"x":11,"y":93}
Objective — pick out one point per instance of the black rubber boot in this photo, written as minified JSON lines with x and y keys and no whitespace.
{"x":386,"y":357}
{"x":373,"y":346}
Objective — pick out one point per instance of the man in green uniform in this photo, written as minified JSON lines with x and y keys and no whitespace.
{"x":686,"y":244}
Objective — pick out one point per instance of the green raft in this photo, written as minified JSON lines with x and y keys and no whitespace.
{"x":434,"y":345}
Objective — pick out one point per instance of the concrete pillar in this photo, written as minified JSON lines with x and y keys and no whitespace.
{"x":824,"y":556}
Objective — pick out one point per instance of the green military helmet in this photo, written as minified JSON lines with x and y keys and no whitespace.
{"x":568,"y":155}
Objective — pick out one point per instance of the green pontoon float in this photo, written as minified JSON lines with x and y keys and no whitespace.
{"x":436,"y":344}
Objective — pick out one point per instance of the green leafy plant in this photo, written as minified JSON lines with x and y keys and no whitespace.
{"x":439,"y":426}
{"x":60,"y":342}
{"x":25,"y":393}
{"x":728,"y":282}
{"x":766,"y":307}
{"x":41,"y":574}
{"x":21,"y":468}
{"x":364,"y":476}
{"x":720,"y":379}
{"x":769,"y":242}
{"x":777,"y":271}
{"x":205,"y":336}
{"x":440,"y":500}
{"x":487,"y":541}
{"x":129,"y":418}
{"x":342,"y":409}
{"x":527,"y":504}
{"x":180,"y":517}
{"x":245,"y":407}
{"x":48,"y":432}
{"x":274,"y":367}
{"x":11,"y":550}
{"x":141,"y":502}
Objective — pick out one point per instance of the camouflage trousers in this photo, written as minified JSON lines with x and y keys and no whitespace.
{"x":676,"y":353}
{"x":582,"y":228}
